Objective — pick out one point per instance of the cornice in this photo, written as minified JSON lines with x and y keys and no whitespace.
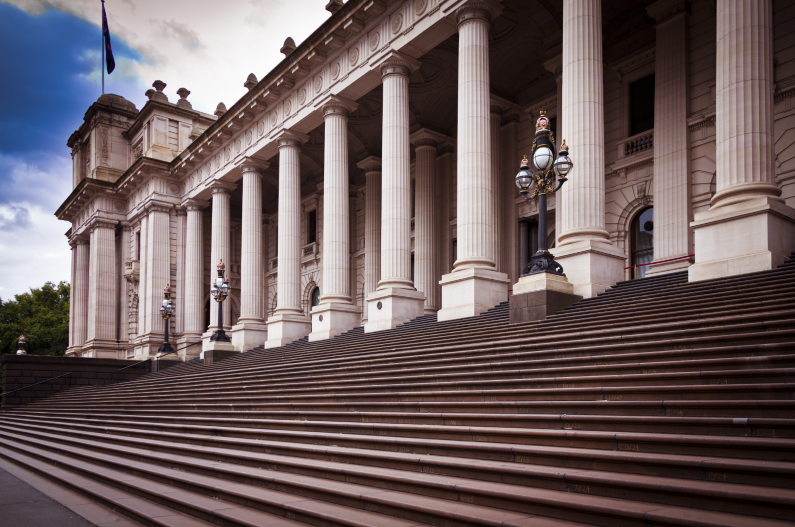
{"x":662,"y":10}
{"x":370,"y":164}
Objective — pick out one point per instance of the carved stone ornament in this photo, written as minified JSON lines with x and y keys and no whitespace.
{"x":420,"y":6}
{"x":227,"y":153}
{"x":119,"y":206}
{"x":138,"y":151}
{"x":318,"y":84}
{"x":273,"y":119}
{"x":261,"y":127}
{"x":287,"y":107}
{"x":173,"y":189}
{"x":238,"y":146}
{"x":249,"y":137}
{"x":335,"y":70}
{"x":218,"y":161}
{"x":353,"y":57}
{"x":302,"y":96}
{"x":374,"y":39}
{"x":397,"y":23}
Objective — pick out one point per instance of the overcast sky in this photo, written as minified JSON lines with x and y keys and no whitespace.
{"x":51,"y":75}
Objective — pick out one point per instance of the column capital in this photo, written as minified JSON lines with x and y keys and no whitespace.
{"x":486,"y":10}
{"x":662,"y":10}
{"x":336,"y":105}
{"x":253,"y":165}
{"x":370,"y":164}
{"x":181,"y":211}
{"x":158,"y":206}
{"x":219,"y":189}
{"x":194,"y":204}
{"x":397,"y":63}
{"x":74,"y":242}
{"x":102,"y":223}
{"x":426,"y":137}
{"x":290,"y":138}
{"x":125,"y":226}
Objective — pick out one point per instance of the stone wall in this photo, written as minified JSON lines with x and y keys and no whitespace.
{"x":22,"y":370}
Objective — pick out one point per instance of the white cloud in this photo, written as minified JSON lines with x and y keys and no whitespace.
{"x":33,"y":248}
{"x":207,"y":46}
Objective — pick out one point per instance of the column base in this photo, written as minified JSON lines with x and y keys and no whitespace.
{"x":146,"y":345}
{"x":248,"y":334}
{"x":73,"y":351}
{"x":470,"y":292}
{"x":388,"y":308}
{"x":753,"y":235}
{"x":286,"y":328}
{"x":330,"y":320}
{"x":192,"y":352}
{"x":669,"y":267}
{"x":100,"y":349}
{"x":591,"y":266}
{"x":537,"y":296}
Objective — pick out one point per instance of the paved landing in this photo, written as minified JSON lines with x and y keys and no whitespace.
{"x":29,"y":500}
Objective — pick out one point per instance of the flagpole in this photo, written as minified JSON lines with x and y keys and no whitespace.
{"x":102,"y":65}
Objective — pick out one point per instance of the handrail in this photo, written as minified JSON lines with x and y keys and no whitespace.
{"x":120,"y":369}
{"x":160,"y":356}
{"x":36,"y":383}
{"x":661,"y":261}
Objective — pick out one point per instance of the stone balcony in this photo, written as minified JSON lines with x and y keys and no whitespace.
{"x":642,"y":143}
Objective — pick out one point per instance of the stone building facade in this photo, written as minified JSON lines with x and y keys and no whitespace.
{"x":369,"y":177}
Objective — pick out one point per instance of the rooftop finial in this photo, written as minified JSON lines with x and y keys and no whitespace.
{"x":220,"y":109}
{"x":288,"y":47}
{"x":183,"y":98}
{"x":251,"y":81}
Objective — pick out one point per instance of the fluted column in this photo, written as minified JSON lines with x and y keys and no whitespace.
{"x":396,"y":180}
{"x":102,"y":299}
{"x":288,"y":322}
{"x":250,"y":330}
{"x":672,"y":204}
{"x":744,"y":106}
{"x":476,"y":216}
{"x":194,"y":274}
{"x":524,"y":244}
{"x":583,"y":197}
{"x":475,"y":284}
{"x":425,"y":239}
{"x":591,"y":262}
{"x":495,"y":119}
{"x":123,"y":251}
{"x":395,"y":300}
{"x":143,"y":231}
{"x":158,"y":272}
{"x":251,"y":247}
{"x":220,"y":249}
{"x":748,"y":227}
{"x":79,"y":295}
{"x":336,"y":313}
{"x":372,"y":224}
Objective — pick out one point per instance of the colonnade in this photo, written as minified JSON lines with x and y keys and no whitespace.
{"x":746,"y":204}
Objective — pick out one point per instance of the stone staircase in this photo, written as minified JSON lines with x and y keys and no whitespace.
{"x":659,"y":402}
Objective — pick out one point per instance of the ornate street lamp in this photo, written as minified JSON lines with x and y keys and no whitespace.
{"x":21,"y":345}
{"x":537,"y":180}
{"x":166,"y":310}
{"x":219,"y":291}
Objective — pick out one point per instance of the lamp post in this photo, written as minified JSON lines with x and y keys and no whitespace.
{"x":166,"y":310}
{"x":21,"y":345}
{"x":539,"y":178}
{"x":219,"y":291}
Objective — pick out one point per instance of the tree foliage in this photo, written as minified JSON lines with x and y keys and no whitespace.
{"x":42,"y":315}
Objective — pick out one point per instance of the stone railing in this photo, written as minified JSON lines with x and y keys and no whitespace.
{"x":636,"y":144}
{"x":309,"y":252}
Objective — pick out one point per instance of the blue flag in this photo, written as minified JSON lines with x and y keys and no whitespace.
{"x":109,"y":61}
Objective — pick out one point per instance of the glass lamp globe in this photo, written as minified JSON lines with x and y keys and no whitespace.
{"x":563,"y":164}
{"x":214,"y":290}
{"x":524,"y":179}
{"x":542,"y":158}
{"x":225,"y":288}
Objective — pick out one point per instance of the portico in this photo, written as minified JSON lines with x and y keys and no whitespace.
{"x":368,"y":180}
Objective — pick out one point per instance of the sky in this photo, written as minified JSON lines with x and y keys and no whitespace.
{"x":51,"y":75}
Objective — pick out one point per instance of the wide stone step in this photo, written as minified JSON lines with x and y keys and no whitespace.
{"x":517,"y":465}
{"x":400,"y":489}
{"x":445,"y":440}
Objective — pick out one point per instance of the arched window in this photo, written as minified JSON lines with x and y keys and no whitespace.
{"x":643,"y":241}
{"x":315,"y":296}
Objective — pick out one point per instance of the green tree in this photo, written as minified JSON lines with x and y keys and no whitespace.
{"x":42,"y":315}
